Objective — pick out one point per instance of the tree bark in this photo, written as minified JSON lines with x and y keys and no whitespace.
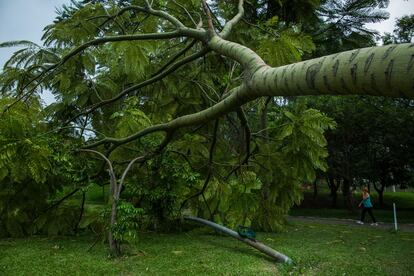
{"x":346,"y":191}
{"x":315,"y":189}
{"x":113,"y":243}
{"x":378,"y":71}
{"x":114,"y":246}
{"x":380,"y":191}
{"x":334,"y":189}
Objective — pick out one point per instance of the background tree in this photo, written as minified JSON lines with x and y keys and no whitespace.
{"x":370,"y":143}
{"x":403,"y":32}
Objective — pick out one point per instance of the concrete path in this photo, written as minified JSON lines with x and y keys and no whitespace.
{"x":405,"y":227}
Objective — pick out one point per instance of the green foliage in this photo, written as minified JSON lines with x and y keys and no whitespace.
{"x":289,"y":161}
{"x":128,"y":58}
{"x":158,"y":188}
{"x":372,"y":140}
{"x":34,"y":167}
{"x":304,"y":143}
{"x":403,"y":32}
{"x":288,"y":46}
{"x":58,"y":221}
{"x":71,"y":28}
{"x":236,"y":201}
{"x":128,"y":222}
{"x":21,"y":154}
{"x":259,"y":193}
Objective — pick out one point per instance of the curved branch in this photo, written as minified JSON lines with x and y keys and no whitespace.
{"x":111,"y":169}
{"x":147,"y":10}
{"x":152,"y":80}
{"x":187,"y":12}
{"x":116,"y":38}
{"x":239,"y":96}
{"x":175,"y":57}
{"x":229,"y":25}
{"x":249,"y":60}
{"x":142,"y":159}
{"x":98,"y":41}
{"x":121,"y":182}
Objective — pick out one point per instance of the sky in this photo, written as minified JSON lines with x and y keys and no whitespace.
{"x":396,"y":8}
{"x":25,"y":20}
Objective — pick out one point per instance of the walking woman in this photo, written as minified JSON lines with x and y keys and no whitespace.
{"x":366,"y":207}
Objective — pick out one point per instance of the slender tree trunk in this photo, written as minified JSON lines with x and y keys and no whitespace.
{"x":346,"y":191}
{"x":263,"y":126}
{"x":334,"y":189}
{"x":335,"y":199}
{"x":81,"y":212}
{"x":114,"y":246}
{"x":380,"y":191}
{"x":315,"y":189}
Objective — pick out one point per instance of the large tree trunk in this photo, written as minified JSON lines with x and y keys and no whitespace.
{"x":369,"y":71}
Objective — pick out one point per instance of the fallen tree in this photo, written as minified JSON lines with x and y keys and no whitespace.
{"x":381,"y":71}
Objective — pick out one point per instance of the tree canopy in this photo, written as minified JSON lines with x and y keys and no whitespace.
{"x":190,"y":91}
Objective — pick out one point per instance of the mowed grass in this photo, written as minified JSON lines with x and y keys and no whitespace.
{"x":315,"y":248}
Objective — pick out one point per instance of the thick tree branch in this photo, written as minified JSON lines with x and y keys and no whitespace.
{"x":378,"y":71}
{"x":249,"y":60}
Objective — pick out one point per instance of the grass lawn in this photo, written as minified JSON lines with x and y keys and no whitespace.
{"x":403,"y":216}
{"x":315,"y":248}
{"x":320,"y":207}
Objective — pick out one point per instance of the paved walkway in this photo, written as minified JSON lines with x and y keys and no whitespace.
{"x":406,"y":227}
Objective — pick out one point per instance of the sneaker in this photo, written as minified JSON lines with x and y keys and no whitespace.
{"x":374,"y":224}
{"x":360,"y":222}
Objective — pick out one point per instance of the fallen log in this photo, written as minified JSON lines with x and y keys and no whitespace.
{"x":258,"y":245}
